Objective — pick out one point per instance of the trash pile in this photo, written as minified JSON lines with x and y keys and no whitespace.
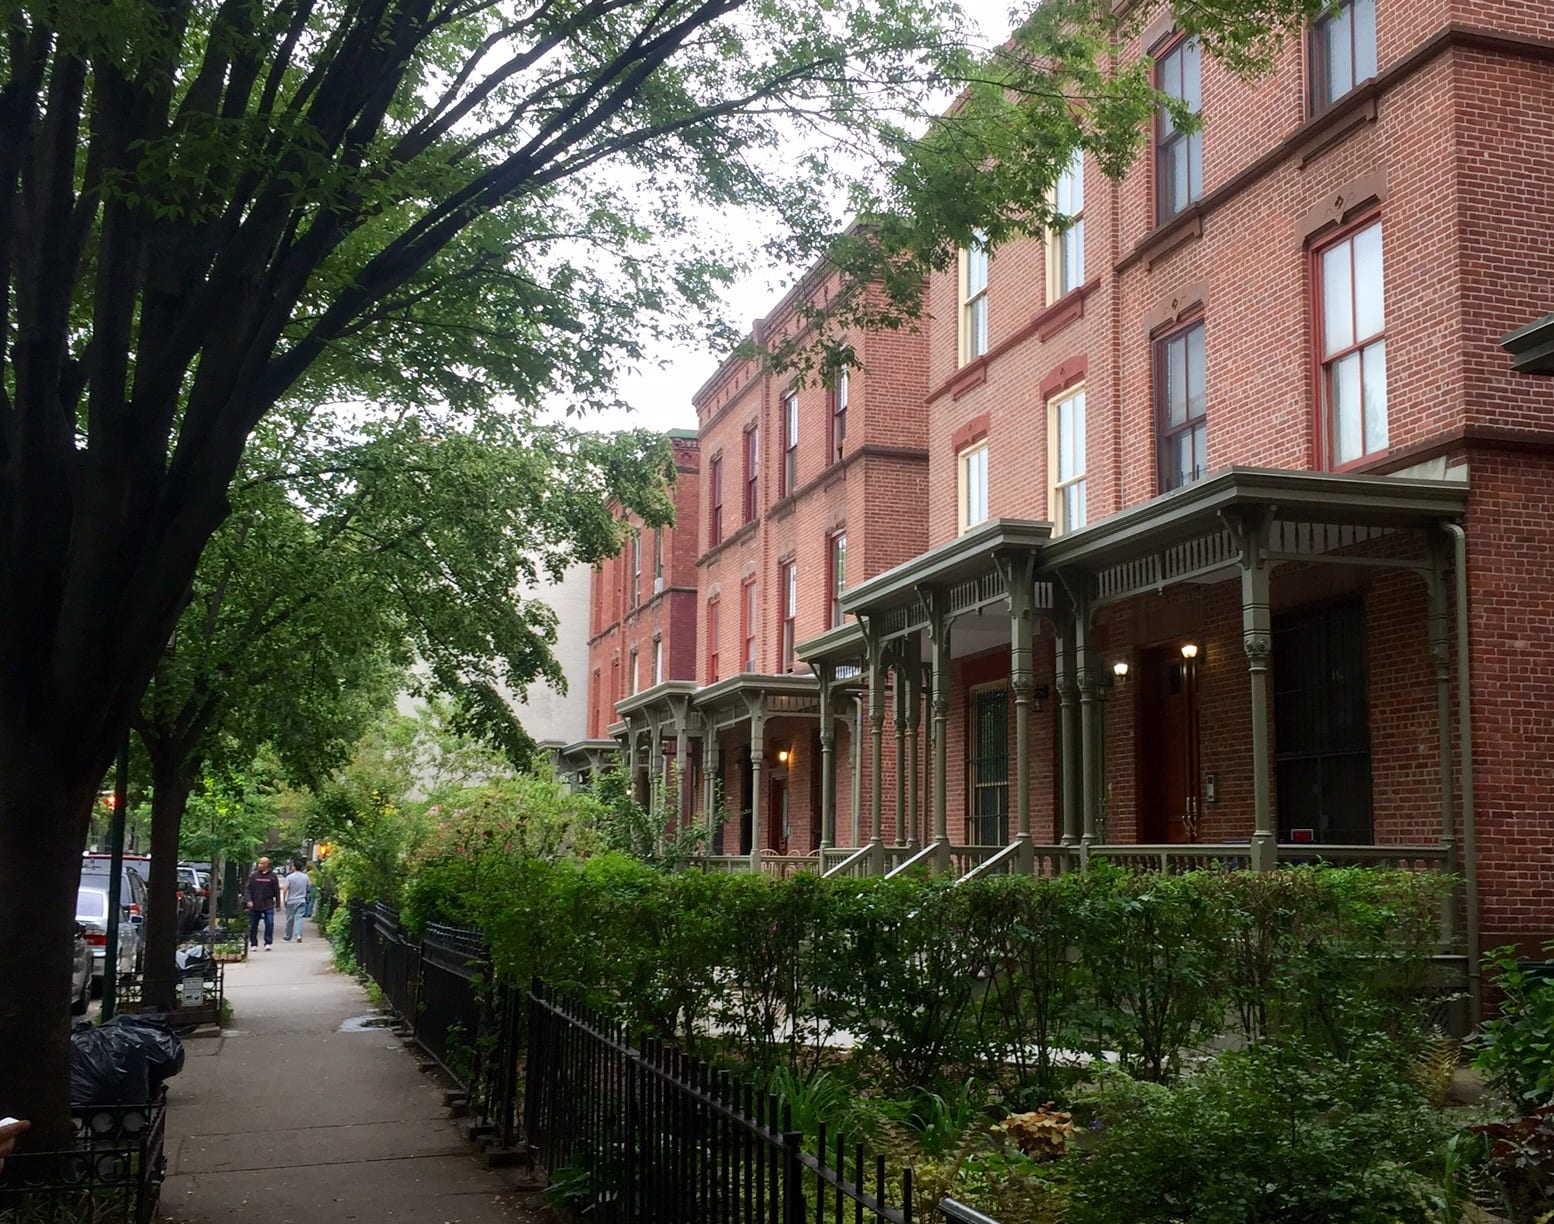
{"x":124,"y":1061}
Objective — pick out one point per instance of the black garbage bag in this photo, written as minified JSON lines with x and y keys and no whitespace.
{"x":122,"y":1062}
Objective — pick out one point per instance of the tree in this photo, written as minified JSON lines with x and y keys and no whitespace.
{"x":207,"y":207}
{"x":344,"y":560}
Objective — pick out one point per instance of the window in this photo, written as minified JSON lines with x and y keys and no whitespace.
{"x":973,"y":485}
{"x":1066,"y":459}
{"x":989,"y":768}
{"x":1341,"y":52}
{"x":1353,"y":347}
{"x":973,"y":302}
{"x":752,"y":471}
{"x":712,"y":642}
{"x":788,"y":584}
{"x":839,"y":414}
{"x":715,"y":498}
{"x":1180,"y":403}
{"x":1178,"y":155}
{"x":631,"y":673}
{"x":790,"y":444}
{"x":658,"y":560}
{"x":1066,"y":247}
{"x":1321,"y":714}
{"x":747,"y":625}
{"x":658,"y":660}
{"x":838,"y":583}
{"x":633,"y":592}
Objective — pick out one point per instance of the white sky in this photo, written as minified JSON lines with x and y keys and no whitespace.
{"x":660,"y":392}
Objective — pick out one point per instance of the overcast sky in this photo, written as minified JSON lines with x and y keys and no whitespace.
{"x":660,"y":393}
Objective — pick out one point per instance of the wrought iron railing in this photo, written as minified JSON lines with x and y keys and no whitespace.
{"x":112,"y":1174}
{"x":646,"y":1133}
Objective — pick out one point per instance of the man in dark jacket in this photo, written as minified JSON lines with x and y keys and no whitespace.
{"x":261,"y":895}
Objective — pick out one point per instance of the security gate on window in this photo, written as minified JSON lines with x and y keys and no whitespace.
{"x":989,"y":769}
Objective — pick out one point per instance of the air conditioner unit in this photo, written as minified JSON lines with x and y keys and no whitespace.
{"x":658,"y":584}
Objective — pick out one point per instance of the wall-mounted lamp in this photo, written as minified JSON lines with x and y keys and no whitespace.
{"x":782,"y":756}
{"x":1120,"y":670}
{"x":1190,"y":651}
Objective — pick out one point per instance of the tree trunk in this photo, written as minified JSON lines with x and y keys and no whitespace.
{"x":169,"y":798}
{"x":44,"y":814}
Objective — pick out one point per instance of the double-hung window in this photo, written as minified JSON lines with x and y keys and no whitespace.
{"x":712,"y":642}
{"x":973,"y":302}
{"x":658,"y":660}
{"x":838,"y":583}
{"x":972,"y":465}
{"x":1066,"y":246}
{"x":1352,"y":346}
{"x":1181,"y":403}
{"x":747,"y":618}
{"x":715,"y":500}
{"x":634,"y":591}
{"x":788,"y":585}
{"x":631,"y":672}
{"x":658,"y":560}
{"x":752,"y":471}
{"x":839,"y":414}
{"x":1178,"y":154}
{"x":1341,"y":52}
{"x":1066,"y":459}
{"x":790,"y":444}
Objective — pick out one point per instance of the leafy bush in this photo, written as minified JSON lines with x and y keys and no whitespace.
{"x":1278,"y":1132}
{"x":1516,"y":1048}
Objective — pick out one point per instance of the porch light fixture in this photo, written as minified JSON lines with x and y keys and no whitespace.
{"x":1120,"y":670}
{"x":1190,"y":651}
{"x":782,"y":756}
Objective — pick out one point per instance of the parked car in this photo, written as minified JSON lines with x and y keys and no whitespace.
{"x":196,"y":894}
{"x":83,"y":965}
{"x":92,"y":914}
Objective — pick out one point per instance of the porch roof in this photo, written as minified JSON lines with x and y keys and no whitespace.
{"x":1532,"y":346}
{"x":758,"y":684}
{"x":657,"y":694}
{"x":1193,"y":532}
{"x":844,"y":644}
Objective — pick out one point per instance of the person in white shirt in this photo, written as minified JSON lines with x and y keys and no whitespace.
{"x":294,"y":895}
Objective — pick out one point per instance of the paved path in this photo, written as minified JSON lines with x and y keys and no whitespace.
{"x":284,"y":1119}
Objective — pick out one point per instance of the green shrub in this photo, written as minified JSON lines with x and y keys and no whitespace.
{"x":1277,"y":1132}
{"x":1515,"y":1049}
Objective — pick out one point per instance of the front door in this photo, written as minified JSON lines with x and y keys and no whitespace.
{"x":1167,"y":743}
{"x":780,"y":826}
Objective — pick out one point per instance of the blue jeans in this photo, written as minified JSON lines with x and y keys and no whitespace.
{"x":253,"y":927}
{"x":294,"y":920}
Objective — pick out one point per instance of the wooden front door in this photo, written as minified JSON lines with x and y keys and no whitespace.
{"x":1167,"y":747}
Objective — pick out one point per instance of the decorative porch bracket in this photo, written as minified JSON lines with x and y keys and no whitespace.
{"x":1250,"y":527}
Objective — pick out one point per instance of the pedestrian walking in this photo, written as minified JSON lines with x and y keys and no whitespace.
{"x":307,"y":906}
{"x":261,"y":895}
{"x":296,"y":887}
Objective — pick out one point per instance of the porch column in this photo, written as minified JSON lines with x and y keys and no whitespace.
{"x":711,"y":763}
{"x":876,"y":664}
{"x":633,"y":780}
{"x":823,"y":673}
{"x":1092,"y":751}
{"x":1257,"y":641}
{"x":682,"y":775}
{"x":937,"y":606}
{"x":1439,"y":618}
{"x":655,"y":772}
{"x":757,"y":706}
{"x":914,"y":704}
{"x":898,"y":697}
{"x":855,"y":799}
{"x":1019,"y":574}
{"x":1068,"y":730}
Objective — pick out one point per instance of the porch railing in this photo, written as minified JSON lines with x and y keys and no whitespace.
{"x":1401,"y":858}
{"x":1174,"y":858}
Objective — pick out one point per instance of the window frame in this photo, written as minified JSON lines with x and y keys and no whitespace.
{"x":634,"y":573}
{"x":748,"y":613}
{"x":789,"y":475}
{"x":631,"y":674}
{"x":840,"y":392}
{"x":1323,"y":424}
{"x":715,"y":501}
{"x":712,"y":641}
{"x":1175,"y":45}
{"x":1166,"y":433}
{"x":1061,"y":277}
{"x":658,"y":659}
{"x":974,"y":342}
{"x":752,"y":449}
{"x":836,"y":577}
{"x":788,"y":593}
{"x":1058,"y":485}
{"x":1317,"y":60}
{"x":963,"y":488}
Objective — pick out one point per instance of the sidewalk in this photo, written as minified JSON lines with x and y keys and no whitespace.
{"x":284,"y":1119}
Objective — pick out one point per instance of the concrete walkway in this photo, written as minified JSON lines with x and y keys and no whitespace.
{"x":284,"y":1119}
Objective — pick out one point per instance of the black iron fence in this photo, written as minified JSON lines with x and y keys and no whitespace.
{"x":112,"y":1175}
{"x":651,"y":1134}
